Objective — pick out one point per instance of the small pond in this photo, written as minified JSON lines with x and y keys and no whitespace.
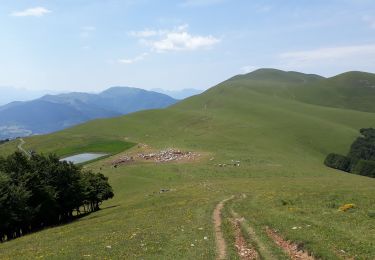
{"x":83,"y":157}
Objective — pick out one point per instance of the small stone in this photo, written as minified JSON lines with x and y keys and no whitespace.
{"x":205,"y":238}
{"x":294,"y":228}
{"x":192,"y":245}
{"x":109,"y":247}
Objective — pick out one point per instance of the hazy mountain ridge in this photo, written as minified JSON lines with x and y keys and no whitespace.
{"x":20,"y":94}
{"x":55,"y":112}
{"x":179,"y":94}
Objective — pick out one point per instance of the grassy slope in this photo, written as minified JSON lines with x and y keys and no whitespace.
{"x":353,"y":90}
{"x":281,"y":144}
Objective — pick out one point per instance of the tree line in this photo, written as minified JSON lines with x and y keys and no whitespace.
{"x":42,"y":191}
{"x":361,"y":157}
{"x":4,"y":141}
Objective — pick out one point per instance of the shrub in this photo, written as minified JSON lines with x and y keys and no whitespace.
{"x":365,"y":168}
{"x":338,"y":161}
{"x":361,"y":157}
{"x":364,"y":146}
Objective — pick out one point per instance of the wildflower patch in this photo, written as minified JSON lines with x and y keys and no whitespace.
{"x":346,"y":207}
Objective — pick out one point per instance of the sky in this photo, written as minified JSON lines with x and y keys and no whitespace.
{"x":90,"y":45}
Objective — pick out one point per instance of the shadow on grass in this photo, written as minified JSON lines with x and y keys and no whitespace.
{"x":70,"y":221}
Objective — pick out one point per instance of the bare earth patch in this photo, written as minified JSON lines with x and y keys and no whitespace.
{"x":290,"y":248}
{"x":261,"y":250}
{"x":244,"y":251}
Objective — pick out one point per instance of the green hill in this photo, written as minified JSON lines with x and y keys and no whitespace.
{"x":350,"y":90}
{"x":278,"y":76}
{"x":279,"y":125}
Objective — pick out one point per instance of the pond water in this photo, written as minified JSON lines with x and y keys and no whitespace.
{"x":83,"y":157}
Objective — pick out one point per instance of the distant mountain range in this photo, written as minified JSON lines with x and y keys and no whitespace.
{"x":179,"y":94}
{"x":21,"y":94}
{"x":55,"y":112}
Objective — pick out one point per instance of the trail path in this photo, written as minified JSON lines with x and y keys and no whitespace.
{"x":19,"y":146}
{"x":261,"y":247}
{"x":292,"y":249}
{"x":257,"y":249}
{"x":245,"y":251}
{"x":220,"y":241}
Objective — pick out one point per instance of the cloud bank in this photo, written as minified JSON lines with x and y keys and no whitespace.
{"x":177,"y":39}
{"x":35,"y":11}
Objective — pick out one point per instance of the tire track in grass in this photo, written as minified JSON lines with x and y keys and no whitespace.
{"x":262,"y":252}
{"x":221,"y":246}
{"x":256,"y":249}
{"x":292,"y":249}
{"x":245,"y":252}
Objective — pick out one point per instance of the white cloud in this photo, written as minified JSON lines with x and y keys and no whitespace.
{"x":163,"y":40}
{"x":136,"y":59}
{"x":177,"y":39}
{"x":148,"y":33}
{"x":35,"y":11}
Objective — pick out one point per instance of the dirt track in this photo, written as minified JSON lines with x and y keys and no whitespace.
{"x":221,"y":246}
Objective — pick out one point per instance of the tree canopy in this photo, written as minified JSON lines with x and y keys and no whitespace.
{"x":41,"y":191}
{"x":361,"y":157}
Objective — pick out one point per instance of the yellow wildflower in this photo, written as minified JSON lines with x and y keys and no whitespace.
{"x":346,"y":207}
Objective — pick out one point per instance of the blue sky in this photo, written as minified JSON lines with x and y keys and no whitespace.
{"x":89,"y":45}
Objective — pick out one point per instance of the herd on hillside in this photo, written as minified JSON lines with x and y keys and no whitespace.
{"x":41,"y":191}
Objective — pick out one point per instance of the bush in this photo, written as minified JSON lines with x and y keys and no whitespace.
{"x":361,"y":157}
{"x":338,"y":161}
{"x":365,"y":168}
{"x":364,"y":146}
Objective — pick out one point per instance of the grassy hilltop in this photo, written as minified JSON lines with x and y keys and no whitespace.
{"x":279,"y":125}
